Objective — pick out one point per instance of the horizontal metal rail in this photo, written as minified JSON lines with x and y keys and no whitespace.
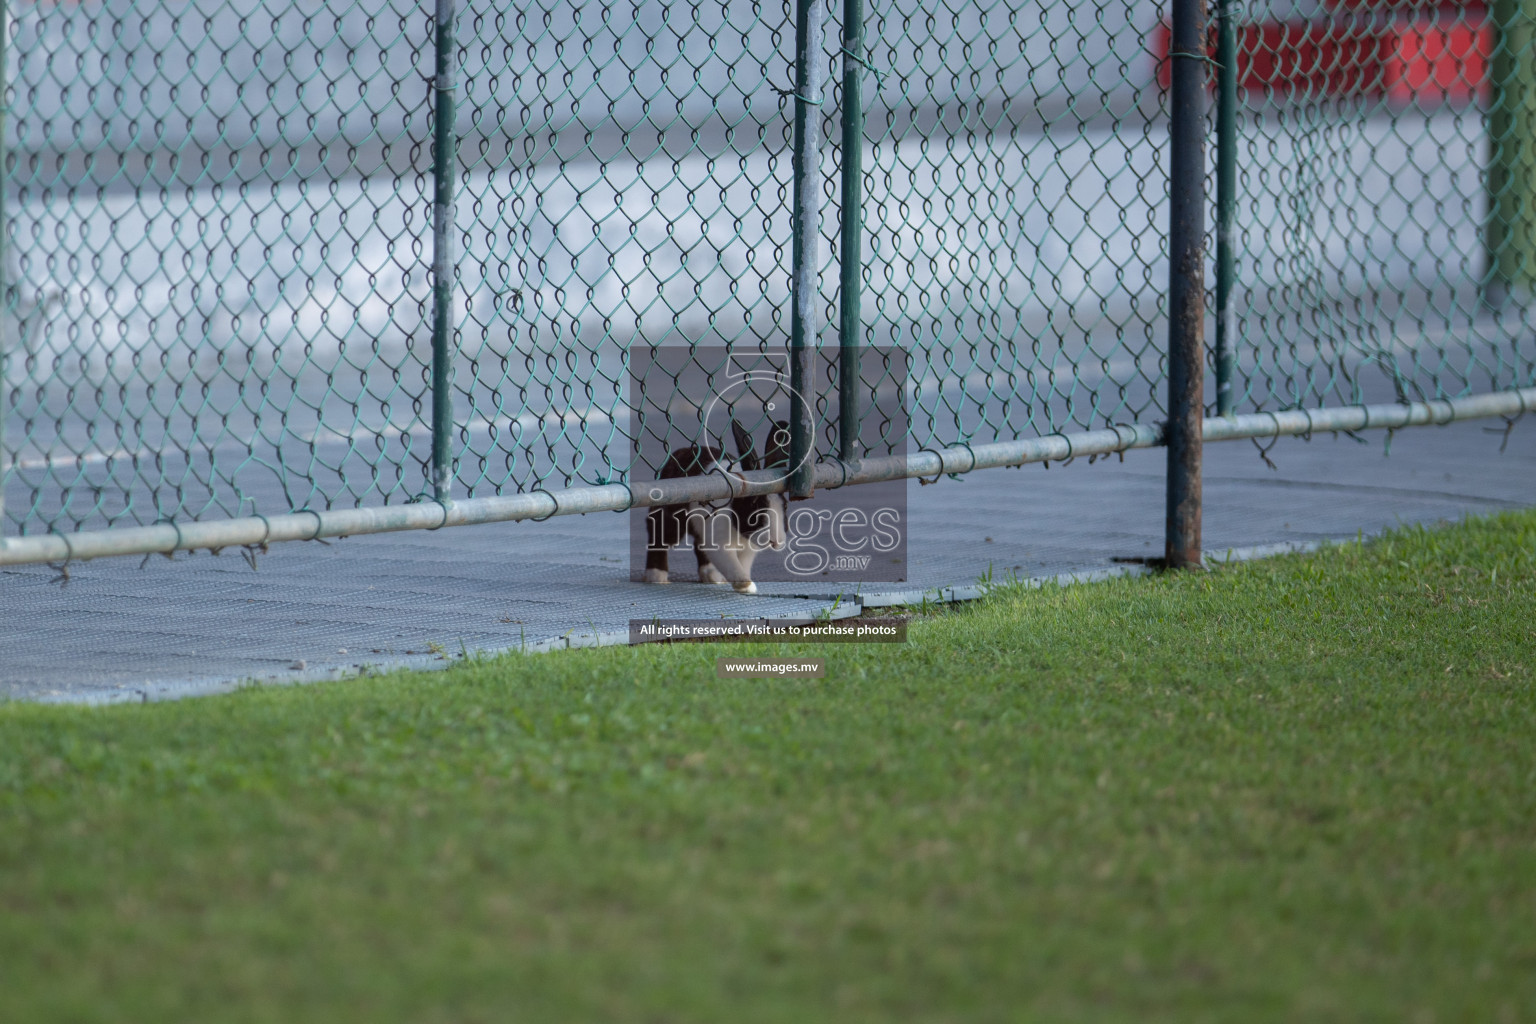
{"x":257,"y":531}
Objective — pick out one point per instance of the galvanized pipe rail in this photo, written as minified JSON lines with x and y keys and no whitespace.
{"x":262,"y":530}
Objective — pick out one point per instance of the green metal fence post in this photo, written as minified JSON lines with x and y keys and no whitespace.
{"x":1511,"y":232}
{"x":1226,"y":207}
{"x":852,"y":231}
{"x":6,"y":301}
{"x":806,"y":234}
{"x":1186,"y":283}
{"x":444,"y":167}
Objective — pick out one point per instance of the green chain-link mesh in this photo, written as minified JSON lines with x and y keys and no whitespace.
{"x":1384,"y":202}
{"x":218,"y":228}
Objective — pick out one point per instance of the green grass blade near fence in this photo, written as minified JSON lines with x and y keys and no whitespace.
{"x":1289,"y":790}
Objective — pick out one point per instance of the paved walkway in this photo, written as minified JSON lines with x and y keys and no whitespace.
{"x":202,"y":624}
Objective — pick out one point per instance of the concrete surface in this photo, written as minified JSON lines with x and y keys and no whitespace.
{"x":122,"y":630}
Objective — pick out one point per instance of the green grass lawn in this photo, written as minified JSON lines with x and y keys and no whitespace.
{"x":1302,"y":789}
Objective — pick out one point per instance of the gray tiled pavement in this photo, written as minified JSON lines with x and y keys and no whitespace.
{"x":201,"y":624}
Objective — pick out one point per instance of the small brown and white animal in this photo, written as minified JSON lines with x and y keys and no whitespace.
{"x":727,"y":537}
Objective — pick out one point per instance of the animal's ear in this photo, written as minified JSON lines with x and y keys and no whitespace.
{"x":743,"y":438}
{"x":776,"y":451}
{"x":744,"y":447}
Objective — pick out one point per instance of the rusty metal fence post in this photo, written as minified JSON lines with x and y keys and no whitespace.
{"x":1186,"y":282}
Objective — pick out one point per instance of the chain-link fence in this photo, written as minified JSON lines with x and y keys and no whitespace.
{"x":266,"y":257}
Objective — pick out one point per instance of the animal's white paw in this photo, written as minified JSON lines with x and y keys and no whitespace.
{"x":745,"y":587}
{"x":709,"y":574}
{"x":656,"y":576}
